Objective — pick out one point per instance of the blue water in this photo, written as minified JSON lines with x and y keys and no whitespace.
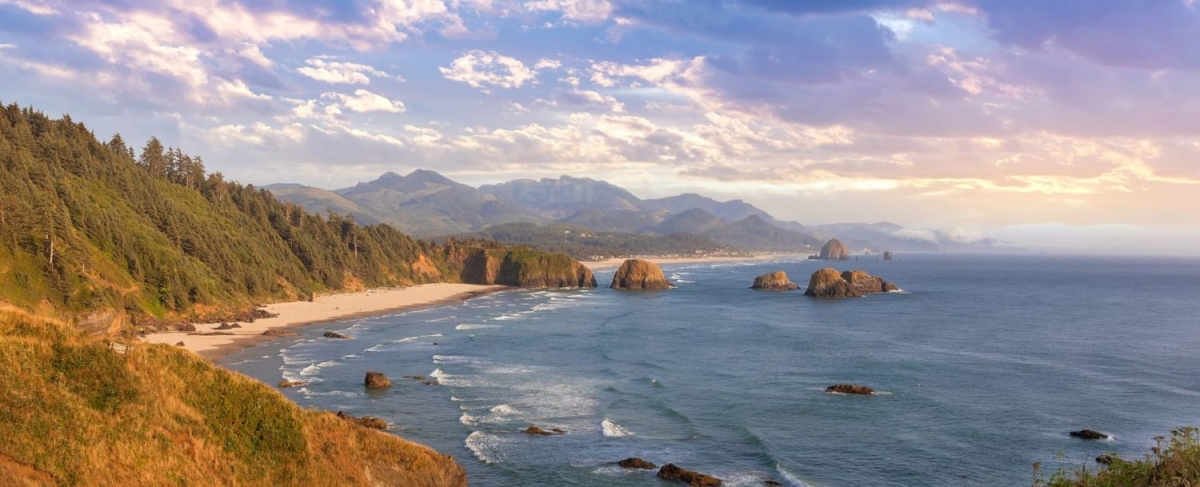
{"x":985,"y":362}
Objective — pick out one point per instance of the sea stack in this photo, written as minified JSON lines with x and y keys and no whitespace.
{"x":637,"y":274}
{"x":833,"y":250}
{"x":775,"y":281}
{"x":376,"y":380}
{"x":829,"y":283}
{"x":888,"y":255}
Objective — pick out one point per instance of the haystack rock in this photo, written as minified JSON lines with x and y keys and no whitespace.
{"x":833,"y":250}
{"x":376,"y":380}
{"x":693,"y":479}
{"x":775,"y":281}
{"x":829,"y":283}
{"x":637,"y":274}
{"x":888,"y":255}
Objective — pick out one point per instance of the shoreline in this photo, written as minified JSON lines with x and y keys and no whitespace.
{"x":595,"y":265}
{"x":326,"y":308}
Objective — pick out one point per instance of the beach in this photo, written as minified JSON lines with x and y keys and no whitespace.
{"x":324,"y":308}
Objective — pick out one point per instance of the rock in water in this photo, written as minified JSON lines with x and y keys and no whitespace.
{"x":1089,"y":435}
{"x":534,"y":430}
{"x":854,"y":389}
{"x":775,"y":281}
{"x":833,"y":250}
{"x":693,"y":479}
{"x":865,"y":283}
{"x":637,"y":274}
{"x":334,"y":334}
{"x":829,"y":283}
{"x":888,"y":255}
{"x":636,"y":464}
{"x":291,"y":383}
{"x":377,"y":379}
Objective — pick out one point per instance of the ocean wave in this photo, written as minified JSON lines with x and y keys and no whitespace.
{"x":308,"y":392}
{"x":613,"y":430}
{"x":791,"y":479}
{"x":504,"y":410}
{"x":413,"y":339}
{"x":486,"y":447}
{"x":465,"y":326}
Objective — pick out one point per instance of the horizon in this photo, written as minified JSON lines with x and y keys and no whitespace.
{"x":1070,"y":134}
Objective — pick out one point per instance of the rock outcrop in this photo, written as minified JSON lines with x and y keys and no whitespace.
{"x":693,"y":479}
{"x":276,"y":332}
{"x":829,"y":283}
{"x":1089,"y":435}
{"x":365,"y":421}
{"x":852,"y":389}
{"x":534,"y":430}
{"x":833,"y":250}
{"x":334,"y":334}
{"x":521,"y":267}
{"x":635,"y":463}
{"x":376,"y":380}
{"x":888,"y":255}
{"x":291,"y":383}
{"x":637,"y":274}
{"x":775,"y":281}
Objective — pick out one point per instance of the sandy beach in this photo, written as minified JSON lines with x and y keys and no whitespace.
{"x":615,"y":262}
{"x":325,"y":308}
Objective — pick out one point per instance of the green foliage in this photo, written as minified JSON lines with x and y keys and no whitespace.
{"x":85,"y":225}
{"x":1173,"y":462}
{"x":583,"y":243}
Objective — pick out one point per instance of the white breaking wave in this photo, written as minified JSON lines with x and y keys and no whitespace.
{"x":485,"y":447}
{"x":791,"y":479}
{"x":613,"y":430}
{"x":465,"y":326}
{"x":504,"y":410}
{"x":413,"y":339}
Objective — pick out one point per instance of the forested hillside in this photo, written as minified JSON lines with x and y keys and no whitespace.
{"x":99,"y":228}
{"x":582,"y":243}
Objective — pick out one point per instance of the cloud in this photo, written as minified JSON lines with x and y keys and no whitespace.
{"x":480,"y":69}
{"x":587,"y":11}
{"x":364,"y":101}
{"x":335,"y":72}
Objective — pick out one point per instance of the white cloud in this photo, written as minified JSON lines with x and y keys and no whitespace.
{"x":479,"y":68}
{"x":335,"y":72}
{"x":364,"y":101}
{"x":588,"y":11}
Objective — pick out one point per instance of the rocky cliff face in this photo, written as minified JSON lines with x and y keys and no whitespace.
{"x":521,"y":267}
{"x":775,"y":281}
{"x":829,"y":283}
{"x":637,"y":274}
{"x":834,"y":250}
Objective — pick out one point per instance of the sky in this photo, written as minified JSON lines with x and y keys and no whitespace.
{"x":1057,"y":125}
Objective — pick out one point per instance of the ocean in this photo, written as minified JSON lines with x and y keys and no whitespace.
{"x":983,"y":363}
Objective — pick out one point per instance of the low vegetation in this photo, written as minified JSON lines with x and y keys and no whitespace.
{"x":78,"y":413}
{"x":1173,"y":462}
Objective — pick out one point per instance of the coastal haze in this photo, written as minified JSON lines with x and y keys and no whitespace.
{"x":1025,"y":121}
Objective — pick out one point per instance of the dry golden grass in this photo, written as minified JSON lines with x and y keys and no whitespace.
{"x":76,"y":413}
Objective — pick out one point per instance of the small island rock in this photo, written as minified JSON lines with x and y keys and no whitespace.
{"x":853,"y":389}
{"x":637,"y":274}
{"x":833,"y":250}
{"x":775,"y":281}
{"x":829,"y":283}
{"x":1089,"y":435}
{"x":635,"y":463}
{"x":534,"y":430}
{"x":694,"y":479}
{"x":888,"y":255}
{"x":334,"y":334}
{"x":377,"y":380}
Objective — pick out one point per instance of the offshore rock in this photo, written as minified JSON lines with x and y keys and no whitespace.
{"x":334,"y":334}
{"x":376,"y":380}
{"x":852,"y":389}
{"x":829,"y":283}
{"x":635,"y":463}
{"x":1088,"y":435}
{"x":775,"y":281}
{"x":534,"y":430}
{"x":833,"y":250}
{"x":693,"y":479}
{"x":888,"y":255}
{"x":637,"y":274}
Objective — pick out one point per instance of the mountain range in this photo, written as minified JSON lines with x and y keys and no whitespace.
{"x":427,"y":204}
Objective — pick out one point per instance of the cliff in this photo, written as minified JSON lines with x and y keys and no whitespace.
{"x":833,"y":250}
{"x":775,"y":281}
{"x":637,"y":274}
{"x":78,"y":413}
{"x":829,"y":283}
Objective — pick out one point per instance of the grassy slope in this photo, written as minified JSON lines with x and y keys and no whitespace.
{"x":1175,"y":462}
{"x":77,"y":413}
